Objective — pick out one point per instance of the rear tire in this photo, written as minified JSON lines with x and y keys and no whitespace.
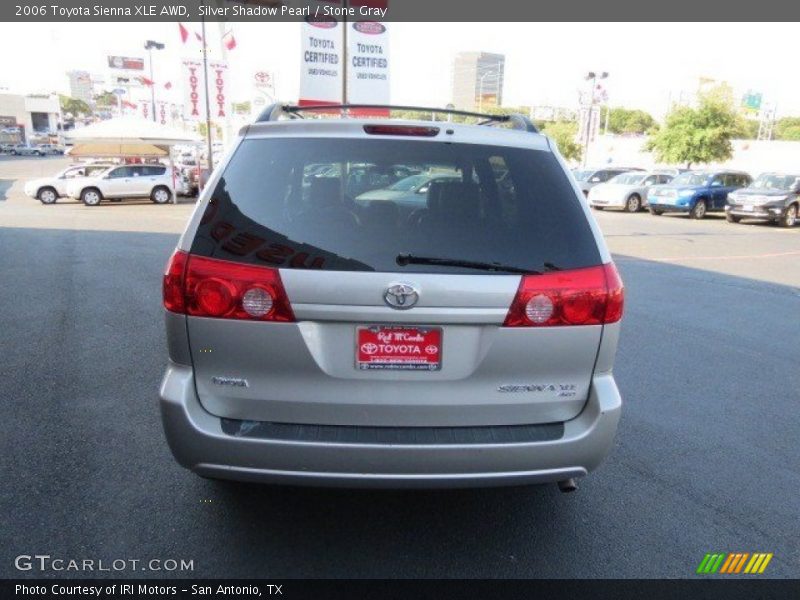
{"x":633,"y":204}
{"x":732,"y":218}
{"x":91,"y":196}
{"x":47,"y":195}
{"x":698,"y":210}
{"x":160,"y":195}
{"x":656,"y":212}
{"x":789,"y":216}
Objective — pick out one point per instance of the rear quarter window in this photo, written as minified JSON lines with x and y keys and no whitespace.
{"x":333,"y":204}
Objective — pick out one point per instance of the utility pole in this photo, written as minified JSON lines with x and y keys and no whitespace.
{"x":345,"y":6}
{"x":151,"y":45}
{"x":208,"y":103}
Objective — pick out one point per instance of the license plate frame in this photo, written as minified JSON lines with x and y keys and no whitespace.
{"x":378,"y":357}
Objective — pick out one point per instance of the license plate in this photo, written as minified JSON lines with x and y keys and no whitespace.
{"x":396,"y":347}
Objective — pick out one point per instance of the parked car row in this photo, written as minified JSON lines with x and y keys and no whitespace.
{"x":93,"y":183}
{"x":31,"y":150}
{"x":772,"y":196}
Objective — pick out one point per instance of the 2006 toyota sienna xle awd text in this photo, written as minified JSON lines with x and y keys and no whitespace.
{"x":463,"y":340}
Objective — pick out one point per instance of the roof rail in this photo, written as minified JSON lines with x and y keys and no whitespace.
{"x":275,"y":111}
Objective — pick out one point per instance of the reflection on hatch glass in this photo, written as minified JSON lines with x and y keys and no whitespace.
{"x":359,"y":204}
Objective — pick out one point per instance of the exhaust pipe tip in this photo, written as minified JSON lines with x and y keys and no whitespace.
{"x":568,"y":485}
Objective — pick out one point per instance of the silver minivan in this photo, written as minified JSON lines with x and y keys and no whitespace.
{"x":463,"y":337}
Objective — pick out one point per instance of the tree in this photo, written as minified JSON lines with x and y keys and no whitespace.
{"x":699,"y":135}
{"x":631,"y":121}
{"x":563,"y":134}
{"x":105,"y":99}
{"x":788,"y":128}
{"x":74,"y":106}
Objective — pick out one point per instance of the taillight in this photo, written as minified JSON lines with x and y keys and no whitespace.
{"x":208,"y":287}
{"x":173,"y":282}
{"x":408,"y":130}
{"x":590,"y":296}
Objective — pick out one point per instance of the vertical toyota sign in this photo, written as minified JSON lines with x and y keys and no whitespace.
{"x":194,"y":98}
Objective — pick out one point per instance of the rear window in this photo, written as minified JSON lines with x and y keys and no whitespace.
{"x":357,"y":204}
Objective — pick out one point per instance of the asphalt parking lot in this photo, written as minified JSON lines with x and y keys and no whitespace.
{"x":706,"y":458}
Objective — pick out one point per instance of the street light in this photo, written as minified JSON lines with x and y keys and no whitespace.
{"x":480,"y":88}
{"x":592,"y":77}
{"x":151,"y":45}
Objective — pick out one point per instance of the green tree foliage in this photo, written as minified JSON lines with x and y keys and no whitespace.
{"x":74,"y":106}
{"x":105,"y":99}
{"x":788,"y":128}
{"x":631,"y":121}
{"x":699,"y":135}
{"x":563,"y":134}
{"x":749,"y":129}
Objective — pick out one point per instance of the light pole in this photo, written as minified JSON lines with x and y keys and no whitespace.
{"x":480,"y":88}
{"x":592,"y":77}
{"x":151,"y":45}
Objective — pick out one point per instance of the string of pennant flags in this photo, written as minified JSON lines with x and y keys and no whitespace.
{"x":228,"y":39}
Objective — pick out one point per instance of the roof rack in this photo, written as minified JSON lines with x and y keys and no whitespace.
{"x":275,"y":111}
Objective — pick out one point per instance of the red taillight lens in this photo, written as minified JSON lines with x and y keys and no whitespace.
{"x":409,"y":130}
{"x":173,"y":282}
{"x":590,"y":296}
{"x":208,"y":287}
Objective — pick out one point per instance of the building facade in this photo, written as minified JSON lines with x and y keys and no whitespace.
{"x":478,"y":80}
{"x":22,"y":117}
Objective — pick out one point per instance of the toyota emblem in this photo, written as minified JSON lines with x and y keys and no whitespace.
{"x":401,"y":296}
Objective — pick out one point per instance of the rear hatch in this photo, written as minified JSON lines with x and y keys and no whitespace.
{"x":397,"y":308}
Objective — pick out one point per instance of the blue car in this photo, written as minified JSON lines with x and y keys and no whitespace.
{"x":696,"y":192}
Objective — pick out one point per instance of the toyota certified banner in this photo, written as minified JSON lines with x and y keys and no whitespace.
{"x":368,"y":63}
{"x":194,"y":99}
{"x":323,"y":62}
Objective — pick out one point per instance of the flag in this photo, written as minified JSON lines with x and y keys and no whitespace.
{"x":198,"y":36}
{"x":146,"y":81}
{"x":184,"y":32}
{"x":229,"y":40}
{"x":168,"y":85}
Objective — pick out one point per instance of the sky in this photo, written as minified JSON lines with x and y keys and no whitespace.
{"x":649,"y":64}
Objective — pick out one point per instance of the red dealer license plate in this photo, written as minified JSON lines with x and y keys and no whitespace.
{"x":399,"y":347}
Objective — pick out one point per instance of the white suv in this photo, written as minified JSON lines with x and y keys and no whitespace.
{"x":125,"y":181}
{"x":49,"y":189}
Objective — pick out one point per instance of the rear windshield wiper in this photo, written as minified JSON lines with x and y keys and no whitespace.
{"x":411,"y":259}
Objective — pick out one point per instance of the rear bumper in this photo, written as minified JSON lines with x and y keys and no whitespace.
{"x":198,"y":442}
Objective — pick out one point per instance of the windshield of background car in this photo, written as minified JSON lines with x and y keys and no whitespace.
{"x":628,"y":178}
{"x":408,"y":184}
{"x":511,"y":206}
{"x":776,"y":182}
{"x":690,"y":179}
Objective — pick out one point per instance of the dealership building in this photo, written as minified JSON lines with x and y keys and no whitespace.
{"x":22,"y":117}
